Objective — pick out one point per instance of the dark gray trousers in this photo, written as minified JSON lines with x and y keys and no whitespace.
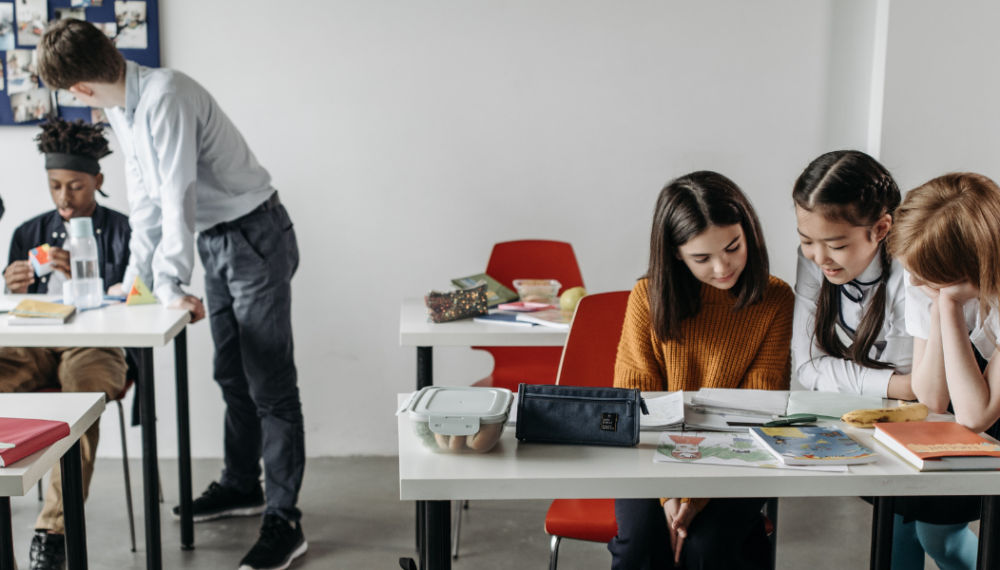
{"x":249,"y":264}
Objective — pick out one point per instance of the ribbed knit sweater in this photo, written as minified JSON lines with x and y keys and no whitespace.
{"x":720,"y":348}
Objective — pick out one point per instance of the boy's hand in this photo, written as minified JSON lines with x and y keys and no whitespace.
{"x":116,"y":290}
{"x":18,"y":276}
{"x":60,"y":261}
{"x":192,"y":304}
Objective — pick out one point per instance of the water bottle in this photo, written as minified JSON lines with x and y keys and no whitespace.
{"x":88,"y":287}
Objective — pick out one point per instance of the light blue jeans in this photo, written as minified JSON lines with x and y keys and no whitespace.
{"x":952,"y":546}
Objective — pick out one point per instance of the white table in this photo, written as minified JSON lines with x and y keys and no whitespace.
{"x":536,"y":471}
{"x":80,"y":410}
{"x":143,"y":327}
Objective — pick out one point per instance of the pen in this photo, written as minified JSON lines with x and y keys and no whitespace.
{"x":790,"y":421}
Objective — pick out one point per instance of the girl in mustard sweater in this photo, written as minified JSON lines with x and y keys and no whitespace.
{"x":706,"y":314}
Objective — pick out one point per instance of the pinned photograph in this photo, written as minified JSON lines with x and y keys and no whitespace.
{"x":6,"y":26}
{"x":86,"y":3}
{"x":22,"y":71}
{"x":31,"y":18}
{"x":71,"y":13}
{"x":66,"y":99}
{"x":33,"y":105}
{"x":131,"y":18}
{"x":98,"y":117}
{"x":110,"y":29}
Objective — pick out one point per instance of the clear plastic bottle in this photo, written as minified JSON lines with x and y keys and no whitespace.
{"x":88,"y":287}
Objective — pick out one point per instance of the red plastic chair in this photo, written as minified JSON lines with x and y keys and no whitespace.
{"x":588,"y":360}
{"x":528,"y":259}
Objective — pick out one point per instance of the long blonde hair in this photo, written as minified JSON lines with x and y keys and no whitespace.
{"x":948,"y":231}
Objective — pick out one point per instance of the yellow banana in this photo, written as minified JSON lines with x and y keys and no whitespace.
{"x":867,"y":418}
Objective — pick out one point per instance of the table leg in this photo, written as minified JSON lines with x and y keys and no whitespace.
{"x":437,"y":531}
{"x":6,"y":536}
{"x":150,"y":473}
{"x":989,"y":534}
{"x":425,"y":377}
{"x":73,"y":513}
{"x":882,"y":515}
{"x":184,"y":440}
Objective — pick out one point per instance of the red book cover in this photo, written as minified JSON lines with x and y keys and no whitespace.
{"x":20,"y":438}
{"x":931,"y":440}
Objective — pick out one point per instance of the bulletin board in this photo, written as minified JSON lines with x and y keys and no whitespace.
{"x":134,"y":26}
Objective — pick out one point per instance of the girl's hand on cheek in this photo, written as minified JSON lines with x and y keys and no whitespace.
{"x":960,"y":293}
{"x":931,"y":293}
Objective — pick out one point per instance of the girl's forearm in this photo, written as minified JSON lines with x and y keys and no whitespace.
{"x":969,"y":391}
{"x":928,"y":381}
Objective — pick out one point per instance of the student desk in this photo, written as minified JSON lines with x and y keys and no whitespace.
{"x":144,"y":327}
{"x":80,"y":411}
{"x":536,"y":471}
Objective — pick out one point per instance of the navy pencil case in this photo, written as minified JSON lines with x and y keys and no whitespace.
{"x":578,"y":415}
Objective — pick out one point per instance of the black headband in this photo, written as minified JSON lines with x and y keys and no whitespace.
{"x":59,"y":160}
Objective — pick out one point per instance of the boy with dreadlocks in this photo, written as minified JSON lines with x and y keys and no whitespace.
{"x":72,"y":151}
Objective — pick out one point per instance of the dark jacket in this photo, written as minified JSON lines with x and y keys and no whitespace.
{"x":111,"y":231}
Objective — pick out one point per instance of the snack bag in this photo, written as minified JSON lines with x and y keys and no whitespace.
{"x":40,"y":260}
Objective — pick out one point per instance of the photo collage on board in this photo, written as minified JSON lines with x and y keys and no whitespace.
{"x":22,"y":24}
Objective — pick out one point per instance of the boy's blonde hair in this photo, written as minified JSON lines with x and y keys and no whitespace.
{"x":72,"y":51}
{"x":948,"y":231}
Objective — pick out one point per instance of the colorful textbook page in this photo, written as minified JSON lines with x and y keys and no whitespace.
{"x":714,"y":448}
{"x":812,"y":445}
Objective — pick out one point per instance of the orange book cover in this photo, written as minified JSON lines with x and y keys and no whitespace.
{"x":931,"y":440}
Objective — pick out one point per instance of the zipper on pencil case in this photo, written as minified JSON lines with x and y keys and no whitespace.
{"x":574,"y":398}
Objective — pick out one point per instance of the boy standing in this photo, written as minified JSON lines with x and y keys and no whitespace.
{"x":71,"y":154}
{"x":189,"y":170}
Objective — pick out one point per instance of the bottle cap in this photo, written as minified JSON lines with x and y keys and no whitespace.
{"x":81,"y":227}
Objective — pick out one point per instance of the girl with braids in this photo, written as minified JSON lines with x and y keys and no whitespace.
{"x":849,"y":287}
{"x":72,"y":151}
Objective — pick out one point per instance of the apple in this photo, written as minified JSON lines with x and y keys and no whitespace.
{"x":571,"y":298}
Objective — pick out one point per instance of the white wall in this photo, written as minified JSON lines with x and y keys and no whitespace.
{"x":437,"y":128}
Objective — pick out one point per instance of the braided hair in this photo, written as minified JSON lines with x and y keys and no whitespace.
{"x":849,"y":186}
{"x":77,"y":138}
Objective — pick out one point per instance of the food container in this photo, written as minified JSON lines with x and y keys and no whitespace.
{"x":538,"y":290}
{"x":459,"y":420}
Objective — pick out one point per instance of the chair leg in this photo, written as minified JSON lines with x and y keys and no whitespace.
{"x":554,"y":556}
{"x":128,"y":480}
{"x":456,"y":529}
{"x":40,"y":497}
{"x":159,"y":482}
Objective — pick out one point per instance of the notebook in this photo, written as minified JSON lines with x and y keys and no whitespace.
{"x":20,"y":438}
{"x":771,"y":402}
{"x":665,"y":413}
{"x":812,"y":446}
{"x":32,"y":312}
{"x":502,"y":319}
{"x":555,"y":319}
{"x":939,"y":446}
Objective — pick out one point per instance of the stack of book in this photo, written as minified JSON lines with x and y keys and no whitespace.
{"x":733,"y":410}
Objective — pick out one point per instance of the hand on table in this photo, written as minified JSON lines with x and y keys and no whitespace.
{"x":116,"y":290}
{"x":192,"y":304}
{"x":18,"y":276}
{"x":59,"y":259}
{"x":679,"y":517}
{"x":901,"y":387}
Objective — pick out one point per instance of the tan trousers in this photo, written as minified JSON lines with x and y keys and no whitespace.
{"x":74,"y":370}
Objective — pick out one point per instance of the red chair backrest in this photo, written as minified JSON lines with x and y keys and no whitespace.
{"x":592,"y":346}
{"x":534,"y":259}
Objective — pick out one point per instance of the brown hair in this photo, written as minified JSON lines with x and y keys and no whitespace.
{"x":686,"y":207}
{"x":948,"y":230}
{"x":72,"y":51}
{"x":852,"y":187}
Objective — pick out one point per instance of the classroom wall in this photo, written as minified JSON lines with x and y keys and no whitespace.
{"x":407,"y":138}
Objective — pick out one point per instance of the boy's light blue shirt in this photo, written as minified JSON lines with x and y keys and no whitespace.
{"x":187,"y":168}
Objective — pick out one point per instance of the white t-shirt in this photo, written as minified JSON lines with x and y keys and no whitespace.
{"x":817,"y":370}
{"x":918,"y":320}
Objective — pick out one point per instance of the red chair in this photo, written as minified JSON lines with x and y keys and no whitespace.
{"x":589,"y":360}
{"x":528,"y":259}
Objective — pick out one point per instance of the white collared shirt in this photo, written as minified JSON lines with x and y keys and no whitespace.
{"x":918,"y":319}
{"x":187,"y":168}
{"x":817,"y":370}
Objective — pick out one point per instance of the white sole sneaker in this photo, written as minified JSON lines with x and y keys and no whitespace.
{"x":288,"y":562}
{"x":241,"y":512}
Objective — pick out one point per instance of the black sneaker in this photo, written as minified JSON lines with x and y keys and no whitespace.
{"x":218,"y":502}
{"x":278,"y":545}
{"x":48,"y":551}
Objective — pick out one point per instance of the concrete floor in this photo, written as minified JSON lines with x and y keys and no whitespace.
{"x":354,"y":519}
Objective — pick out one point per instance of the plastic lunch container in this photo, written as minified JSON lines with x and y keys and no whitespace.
{"x":458,"y":419}
{"x":538,"y":290}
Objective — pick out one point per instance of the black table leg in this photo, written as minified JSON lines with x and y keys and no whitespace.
{"x":184,"y":440}
{"x":150,"y":473}
{"x":425,"y":377}
{"x":6,"y":536}
{"x":881,"y":533}
{"x":437,"y":541}
{"x":73,"y":514}
{"x":989,"y":534}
